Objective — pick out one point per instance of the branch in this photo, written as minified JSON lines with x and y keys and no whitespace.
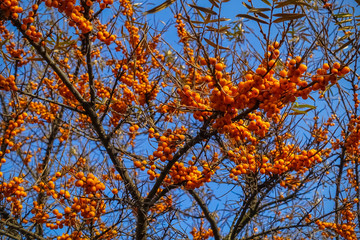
{"x":208,"y":214}
{"x":22,"y":230}
{"x":90,"y":111}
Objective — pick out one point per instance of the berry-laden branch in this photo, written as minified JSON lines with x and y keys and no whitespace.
{"x":90,"y":111}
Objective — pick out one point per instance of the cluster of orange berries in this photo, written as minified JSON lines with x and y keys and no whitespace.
{"x":40,"y":215}
{"x":118,"y":108}
{"x":73,"y":12}
{"x":58,"y":223}
{"x":347,"y":231}
{"x":320,"y":134}
{"x":30,"y":18}
{"x":260,"y":87}
{"x":352,"y":141}
{"x":90,"y":183}
{"x":43,"y":111}
{"x":101,"y":90}
{"x":30,"y":30}
{"x":90,"y":208}
{"x":152,"y":173}
{"x":105,"y":232}
{"x":190,"y":176}
{"x":49,"y":187}
{"x":127,"y":8}
{"x":242,"y":130}
{"x":75,"y":235}
{"x":90,"y":205}
{"x":17,"y":54}
{"x":65,"y":93}
{"x":322,"y":77}
{"x":161,"y":206}
{"x":283,"y":161}
{"x":10,"y":8}
{"x":202,"y":233}
{"x":195,"y":100}
{"x":352,"y":180}
{"x":356,"y":99}
{"x":181,"y":31}
{"x":105,"y":36}
{"x":33,"y":34}
{"x":13,"y":193}
{"x":146,"y":91}
{"x":13,"y":128}
{"x":134,"y":37}
{"x":28,"y":156}
{"x":167,"y":143}
{"x":4,"y":32}
{"x":8,"y":84}
{"x":286,"y":159}
{"x":245,"y":162}
{"x":64,"y":131}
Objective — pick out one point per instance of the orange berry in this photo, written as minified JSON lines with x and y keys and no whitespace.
{"x":137,"y":164}
{"x":302,"y":68}
{"x":219,"y":66}
{"x":202,"y":61}
{"x":276,"y":52}
{"x":212,"y":61}
{"x":283,"y":73}
{"x":345,"y":70}
{"x":326,"y":66}
{"x":35,"y":7}
{"x":336,"y":65}
{"x":79,"y":183}
{"x":261,"y":71}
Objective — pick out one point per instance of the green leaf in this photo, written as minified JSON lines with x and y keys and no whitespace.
{"x":256,"y":10}
{"x":292,"y":2}
{"x":214,"y":45}
{"x":345,"y":28}
{"x":343,"y":15}
{"x":296,"y":105}
{"x":203,"y":9}
{"x":311,"y":98}
{"x":259,"y":11}
{"x":263,"y":15}
{"x":344,"y":21}
{"x":247,"y":6}
{"x":298,"y":112}
{"x":212,"y":21}
{"x":162,"y":6}
{"x":344,"y":45}
{"x":252,"y":18}
{"x":220,"y":30}
{"x":214,"y":3}
{"x":344,"y":37}
{"x":266,"y":2}
{"x":287,"y":17}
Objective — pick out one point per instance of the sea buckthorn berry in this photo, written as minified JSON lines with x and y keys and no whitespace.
{"x":345,"y":70}
{"x":212,"y":61}
{"x":293,"y":61}
{"x":219,"y":66}
{"x":302,"y":68}
{"x":326,"y":66}
{"x":336,"y":65}
{"x":202,"y":61}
